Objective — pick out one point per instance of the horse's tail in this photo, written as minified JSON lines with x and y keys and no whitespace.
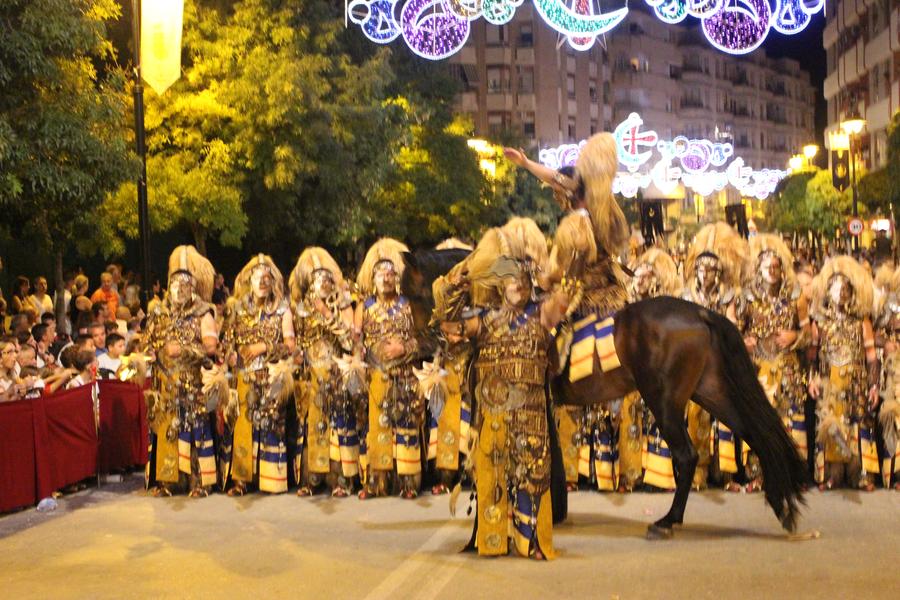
{"x":757,"y":423}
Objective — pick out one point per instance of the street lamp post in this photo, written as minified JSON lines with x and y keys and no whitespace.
{"x":140,"y":142}
{"x":852,"y":126}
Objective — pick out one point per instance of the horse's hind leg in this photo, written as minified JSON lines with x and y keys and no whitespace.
{"x":667,"y":398}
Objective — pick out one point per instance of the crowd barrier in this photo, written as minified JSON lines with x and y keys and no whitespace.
{"x":62,"y":438}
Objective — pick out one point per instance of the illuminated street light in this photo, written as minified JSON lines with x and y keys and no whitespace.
{"x":853,"y":125}
{"x":795,"y":163}
{"x":810,"y":151}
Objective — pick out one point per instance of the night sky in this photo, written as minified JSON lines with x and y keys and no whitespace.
{"x":806,"y":47}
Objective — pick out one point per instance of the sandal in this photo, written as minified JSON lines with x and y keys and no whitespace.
{"x":439,"y":489}
{"x":161,"y":492}
{"x":733,"y":487}
{"x":826,"y":485}
{"x":409,"y":494}
{"x":339,"y":492}
{"x":866,"y":486}
{"x":199,"y":493}
{"x":754,"y":486}
{"x":237,"y":490}
{"x":365,"y":494}
{"x":304,"y":491}
{"x":571,"y":487}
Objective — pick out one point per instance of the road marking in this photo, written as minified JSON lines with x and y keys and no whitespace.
{"x":438,"y":577}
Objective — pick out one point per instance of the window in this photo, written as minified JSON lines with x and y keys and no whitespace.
{"x":639,"y":64}
{"x":606,"y":92}
{"x":592,"y":90}
{"x":497,"y":122}
{"x":497,"y":79}
{"x":593,"y":127}
{"x":526,"y":35}
{"x":496,"y":35}
{"x":570,"y":85}
{"x":526,"y":80}
{"x":528,"y":124}
{"x":668,"y":105}
{"x":571,"y":128}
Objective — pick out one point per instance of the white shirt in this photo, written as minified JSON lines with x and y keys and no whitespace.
{"x":104,"y":361}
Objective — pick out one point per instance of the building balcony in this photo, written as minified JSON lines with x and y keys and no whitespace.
{"x":691,"y":103}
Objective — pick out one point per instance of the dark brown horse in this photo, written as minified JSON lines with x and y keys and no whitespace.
{"x":673,"y":351}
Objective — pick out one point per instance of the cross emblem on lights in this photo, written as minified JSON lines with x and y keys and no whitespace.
{"x":630,"y":140}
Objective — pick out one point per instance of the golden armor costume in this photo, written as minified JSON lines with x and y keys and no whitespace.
{"x":846,"y":381}
{"x":888,"y":327}
{"x":393,"y":431}
{"x":774,"y":320}
{"x":713,"y":271}
{"x":182,"y":335}
{"x":327,"y":444}
{"x":259,"y":337}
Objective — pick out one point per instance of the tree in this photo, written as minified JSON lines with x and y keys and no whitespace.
{"x":63,"y":145}
{"x":826,"y":208}
{"x":786,"y":209}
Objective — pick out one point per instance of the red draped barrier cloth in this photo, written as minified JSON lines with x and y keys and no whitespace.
{"x":123,"y":426}
{"x":71,"y":435}
{"x":18,"y":455}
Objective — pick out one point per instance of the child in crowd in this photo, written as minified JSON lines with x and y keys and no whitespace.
{"x":109,"y":362}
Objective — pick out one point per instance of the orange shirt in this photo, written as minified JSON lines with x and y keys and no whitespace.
{"x":112,"y":301}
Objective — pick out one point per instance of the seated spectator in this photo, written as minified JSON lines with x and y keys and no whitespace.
{"x":97,"y":331}
{"x":32,"y":381}
{"x":84,"y":362}
{"x":10,"y":386}
{"x":18,"y":324}
{"x":108,"y":363}
{"x":39,"y":300}
{"x":106,"y":293}
{"x":26,"y":357}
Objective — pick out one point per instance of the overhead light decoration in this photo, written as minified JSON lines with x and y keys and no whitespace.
{"x":436,"y":29}
{"x":704,"y":166}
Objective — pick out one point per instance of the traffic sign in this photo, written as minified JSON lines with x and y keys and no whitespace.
{"x":855,"y":226}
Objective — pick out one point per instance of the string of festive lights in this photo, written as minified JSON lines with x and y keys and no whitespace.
{"x":436,"y":29}
{"x":703,"y":165}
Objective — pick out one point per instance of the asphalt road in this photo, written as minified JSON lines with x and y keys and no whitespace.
{"x":117,"y":542}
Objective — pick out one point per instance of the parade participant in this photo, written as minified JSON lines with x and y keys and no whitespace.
{"x":775,"y":323}
{"x":845,"y":385}
{"x":448,"y":436}
{"x":328,"y":444}
{"x":654,"y":275}
{"x":511,"y":442}
{"x":259,"y":340}
{"x":586,"y":246}
{"x":714,"y":269}
{"x":182,"y":336}
{"x":888,"y":334}
{"x":384,"y":324}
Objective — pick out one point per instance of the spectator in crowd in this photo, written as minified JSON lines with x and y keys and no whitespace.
{"x":122,"y":317}
{"x":106,"y":293}
{"x":18,"y":324}
{"x":20,"y":295}
{"x":83,"y":316}
{"x":97,"y":331}
{"x":132,"y":294}
{"x":134,"y":344}
{"x":115,"y":271}
{"x":220,"y":292}
{"x":84,"y":362}
{"x":134,"y":330}
{"x":108,"y":363}
{"x":26,"y":357}
{"x":44,"y":337}
{"x":31,"y":315}
{"x":100,"y":312}
{"x":32,"y":382}
{"x":10,"y":387}
{"x":39,"y":300}
{"x":86,"y":341}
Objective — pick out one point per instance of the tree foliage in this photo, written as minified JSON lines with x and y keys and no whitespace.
{"x":808,"y":201}
{"x":63,"y":125}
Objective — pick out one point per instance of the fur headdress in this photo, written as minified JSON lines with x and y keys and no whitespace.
{"x":666,"y":270}
{"x":453,"y":244}
{"x":596,"y":166}
{"x":385,"y":249}
{"x":860,"y":280}
{"x":767,"y":243}
{"x":724,"y":243}
{"x":573,"y":241}
{"x":242,"y":286}
{"x":886,"y":278}
{"x":311,"y":260}
{"x":187,"y":260}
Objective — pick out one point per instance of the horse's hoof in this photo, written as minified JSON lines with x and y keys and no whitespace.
{"x":657,"y":532}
